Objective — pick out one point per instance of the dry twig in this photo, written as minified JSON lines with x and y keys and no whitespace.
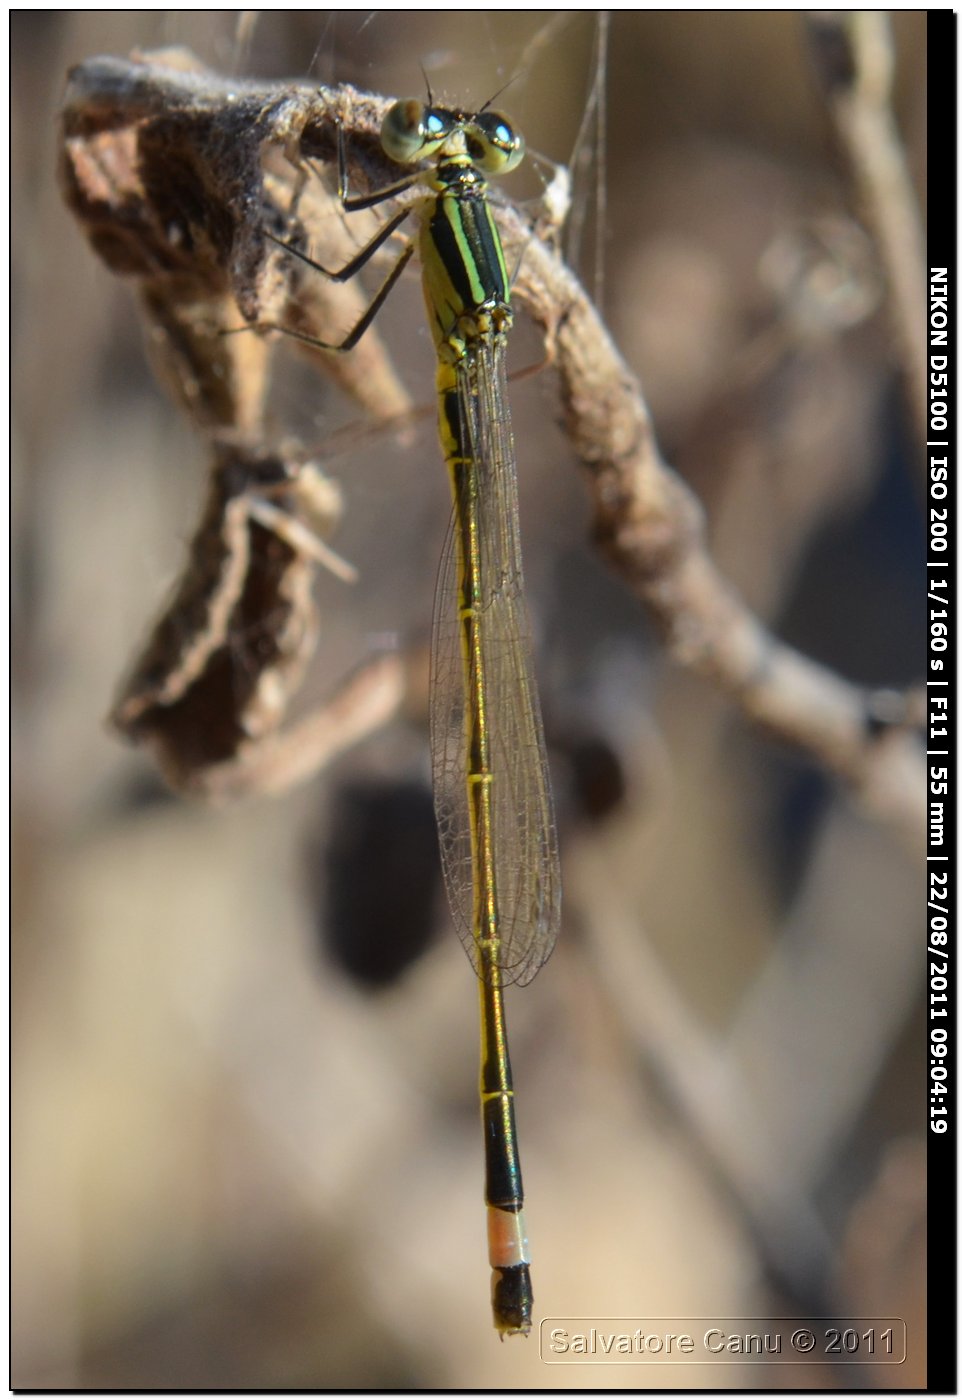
{"x":855,"y":61}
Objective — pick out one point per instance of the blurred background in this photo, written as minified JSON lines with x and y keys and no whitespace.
{"x":246,"y":1149}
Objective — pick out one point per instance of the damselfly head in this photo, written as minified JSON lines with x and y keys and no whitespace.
{"x":413,"y":131}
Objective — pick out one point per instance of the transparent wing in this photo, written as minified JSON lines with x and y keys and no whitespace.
{"x":527,"y":876}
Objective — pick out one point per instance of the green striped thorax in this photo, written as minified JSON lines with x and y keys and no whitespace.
{"x":466,"y":285}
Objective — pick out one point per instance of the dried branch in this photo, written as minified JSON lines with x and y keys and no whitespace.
{"x":165,"y":168}
{"x":855,"y":62}
{"x":651,"y":529}
{"x":210,"y":691}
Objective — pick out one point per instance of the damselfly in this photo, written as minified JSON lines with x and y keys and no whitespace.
{"x":492,"y":791}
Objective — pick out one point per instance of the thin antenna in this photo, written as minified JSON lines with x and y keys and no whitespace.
{"x":503,"y":88}
{"x":427,"y":84}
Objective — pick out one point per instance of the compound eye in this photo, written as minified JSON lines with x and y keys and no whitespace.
{"x":493,"y":143}
{"x":410,"y":131}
